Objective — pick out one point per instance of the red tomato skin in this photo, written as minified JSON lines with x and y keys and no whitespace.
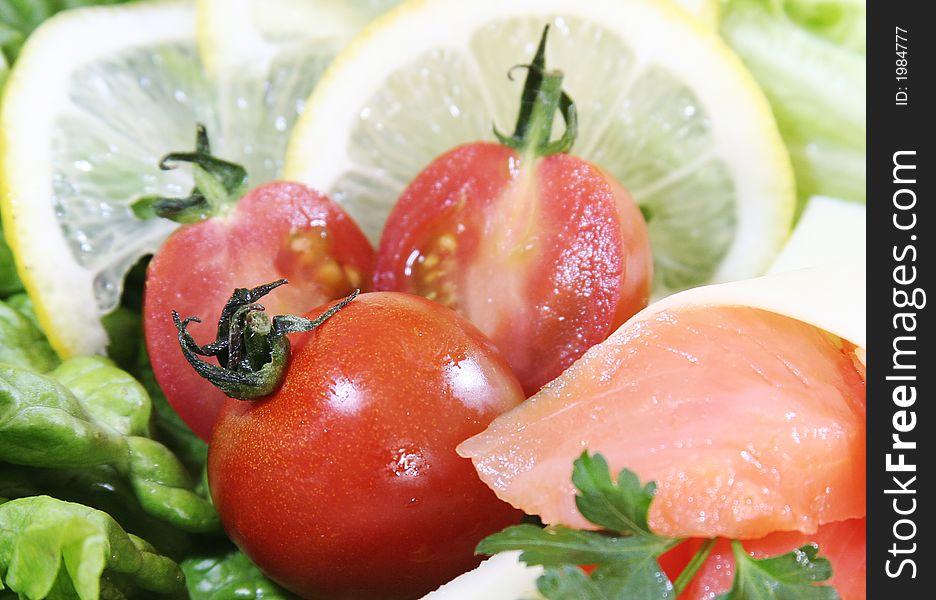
{"x":279,"y":229}
{"x":345,"y":483}
{"x":546,"y":258}
{"x":842,"y":542}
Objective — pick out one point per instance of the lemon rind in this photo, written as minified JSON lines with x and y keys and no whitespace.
{"x":36,"y":91}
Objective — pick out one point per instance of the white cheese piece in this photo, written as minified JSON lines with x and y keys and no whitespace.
{"x":830,"y":231}
{"x":501,"y":577}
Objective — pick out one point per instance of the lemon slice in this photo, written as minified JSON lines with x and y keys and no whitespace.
{"x":663,"y":106}
{"x":94,"y":100}
{"x":99,"y":95}
{"x":264,"y":57}
{"x":706,"y":11}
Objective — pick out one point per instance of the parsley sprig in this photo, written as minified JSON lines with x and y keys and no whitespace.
{"x":623,"y":555}
{"x":790,"y":576}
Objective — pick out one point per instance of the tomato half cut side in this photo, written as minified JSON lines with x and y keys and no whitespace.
{"x":546,"y":257}
{"x":543,"y":251}
{"x":278,"y":230}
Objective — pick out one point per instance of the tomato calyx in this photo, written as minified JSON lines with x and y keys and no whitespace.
{"x":218,"y":184}
{"x":542,"y":96}
{"x":251,"y":348}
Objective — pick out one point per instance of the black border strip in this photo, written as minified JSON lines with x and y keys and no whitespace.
{"x":900,"y":271}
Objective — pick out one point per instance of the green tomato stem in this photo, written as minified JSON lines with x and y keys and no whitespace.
{"x":542,"y":97}
{"x":252,"y":349}
{"x":218,"y":184}
{"x":693,"y":567}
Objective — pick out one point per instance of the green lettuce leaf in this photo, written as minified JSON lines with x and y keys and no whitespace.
{"x":18,"y":18}
{"x":108,"y":393}
{"x":809,"y":58}
{"x":9,"y":279}
{"x":45,"y":424}
{"x":170,"y":429}
{"x":24,"y":305}
{"x":229,"y":575}
{"x":842,"y":22}
{"x":58,"y":550}
{"x":21,"y":342}
{"x":100,"y":487}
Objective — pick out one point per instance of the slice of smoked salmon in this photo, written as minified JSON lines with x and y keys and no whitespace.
{"x":750,"y":422}
{"x":843,"y":543}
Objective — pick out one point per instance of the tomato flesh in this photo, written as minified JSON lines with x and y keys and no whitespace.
{"x":546,"y":256}
{"x":345,"y":483}
{"x":278,"y":230}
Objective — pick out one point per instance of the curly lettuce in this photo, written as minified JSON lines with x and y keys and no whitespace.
{"x":809,"y":58}
{"x":18,"y":18}
{"x":59,"y":550}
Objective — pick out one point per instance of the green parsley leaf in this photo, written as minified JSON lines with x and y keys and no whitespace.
{"x":568,"y":583}
{"x":632,"y":580}
{"x":620,"y":507}
{"x":790,"y":576}
{"x":627,"y":565}
{"x":558,"y":545}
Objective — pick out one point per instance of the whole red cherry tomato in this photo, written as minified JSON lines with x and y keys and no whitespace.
{"x":279,"y":229}
{"x":544,"y":252}
{"x":344,"y":483}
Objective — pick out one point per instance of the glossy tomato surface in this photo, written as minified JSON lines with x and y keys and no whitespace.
{"x":547,"y":256}
{"x":345,"y":483}
{"x":278,"y":230}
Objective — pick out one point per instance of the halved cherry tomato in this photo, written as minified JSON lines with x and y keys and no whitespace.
{"x":546,"y":253}
{"x":278,"y":230}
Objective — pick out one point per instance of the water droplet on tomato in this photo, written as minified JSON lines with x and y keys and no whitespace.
{"x":513,"y":166}
{"x":344,"y":397}
{"x":468,"y":379}
{"x":407,"y":461}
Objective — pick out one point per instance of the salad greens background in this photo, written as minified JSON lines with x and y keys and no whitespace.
{"x":18,"y":18}
{"x":102,"y":489}
{"x":809,"y":58}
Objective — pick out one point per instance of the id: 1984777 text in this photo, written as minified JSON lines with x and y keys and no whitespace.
{"x":901,"y":66}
